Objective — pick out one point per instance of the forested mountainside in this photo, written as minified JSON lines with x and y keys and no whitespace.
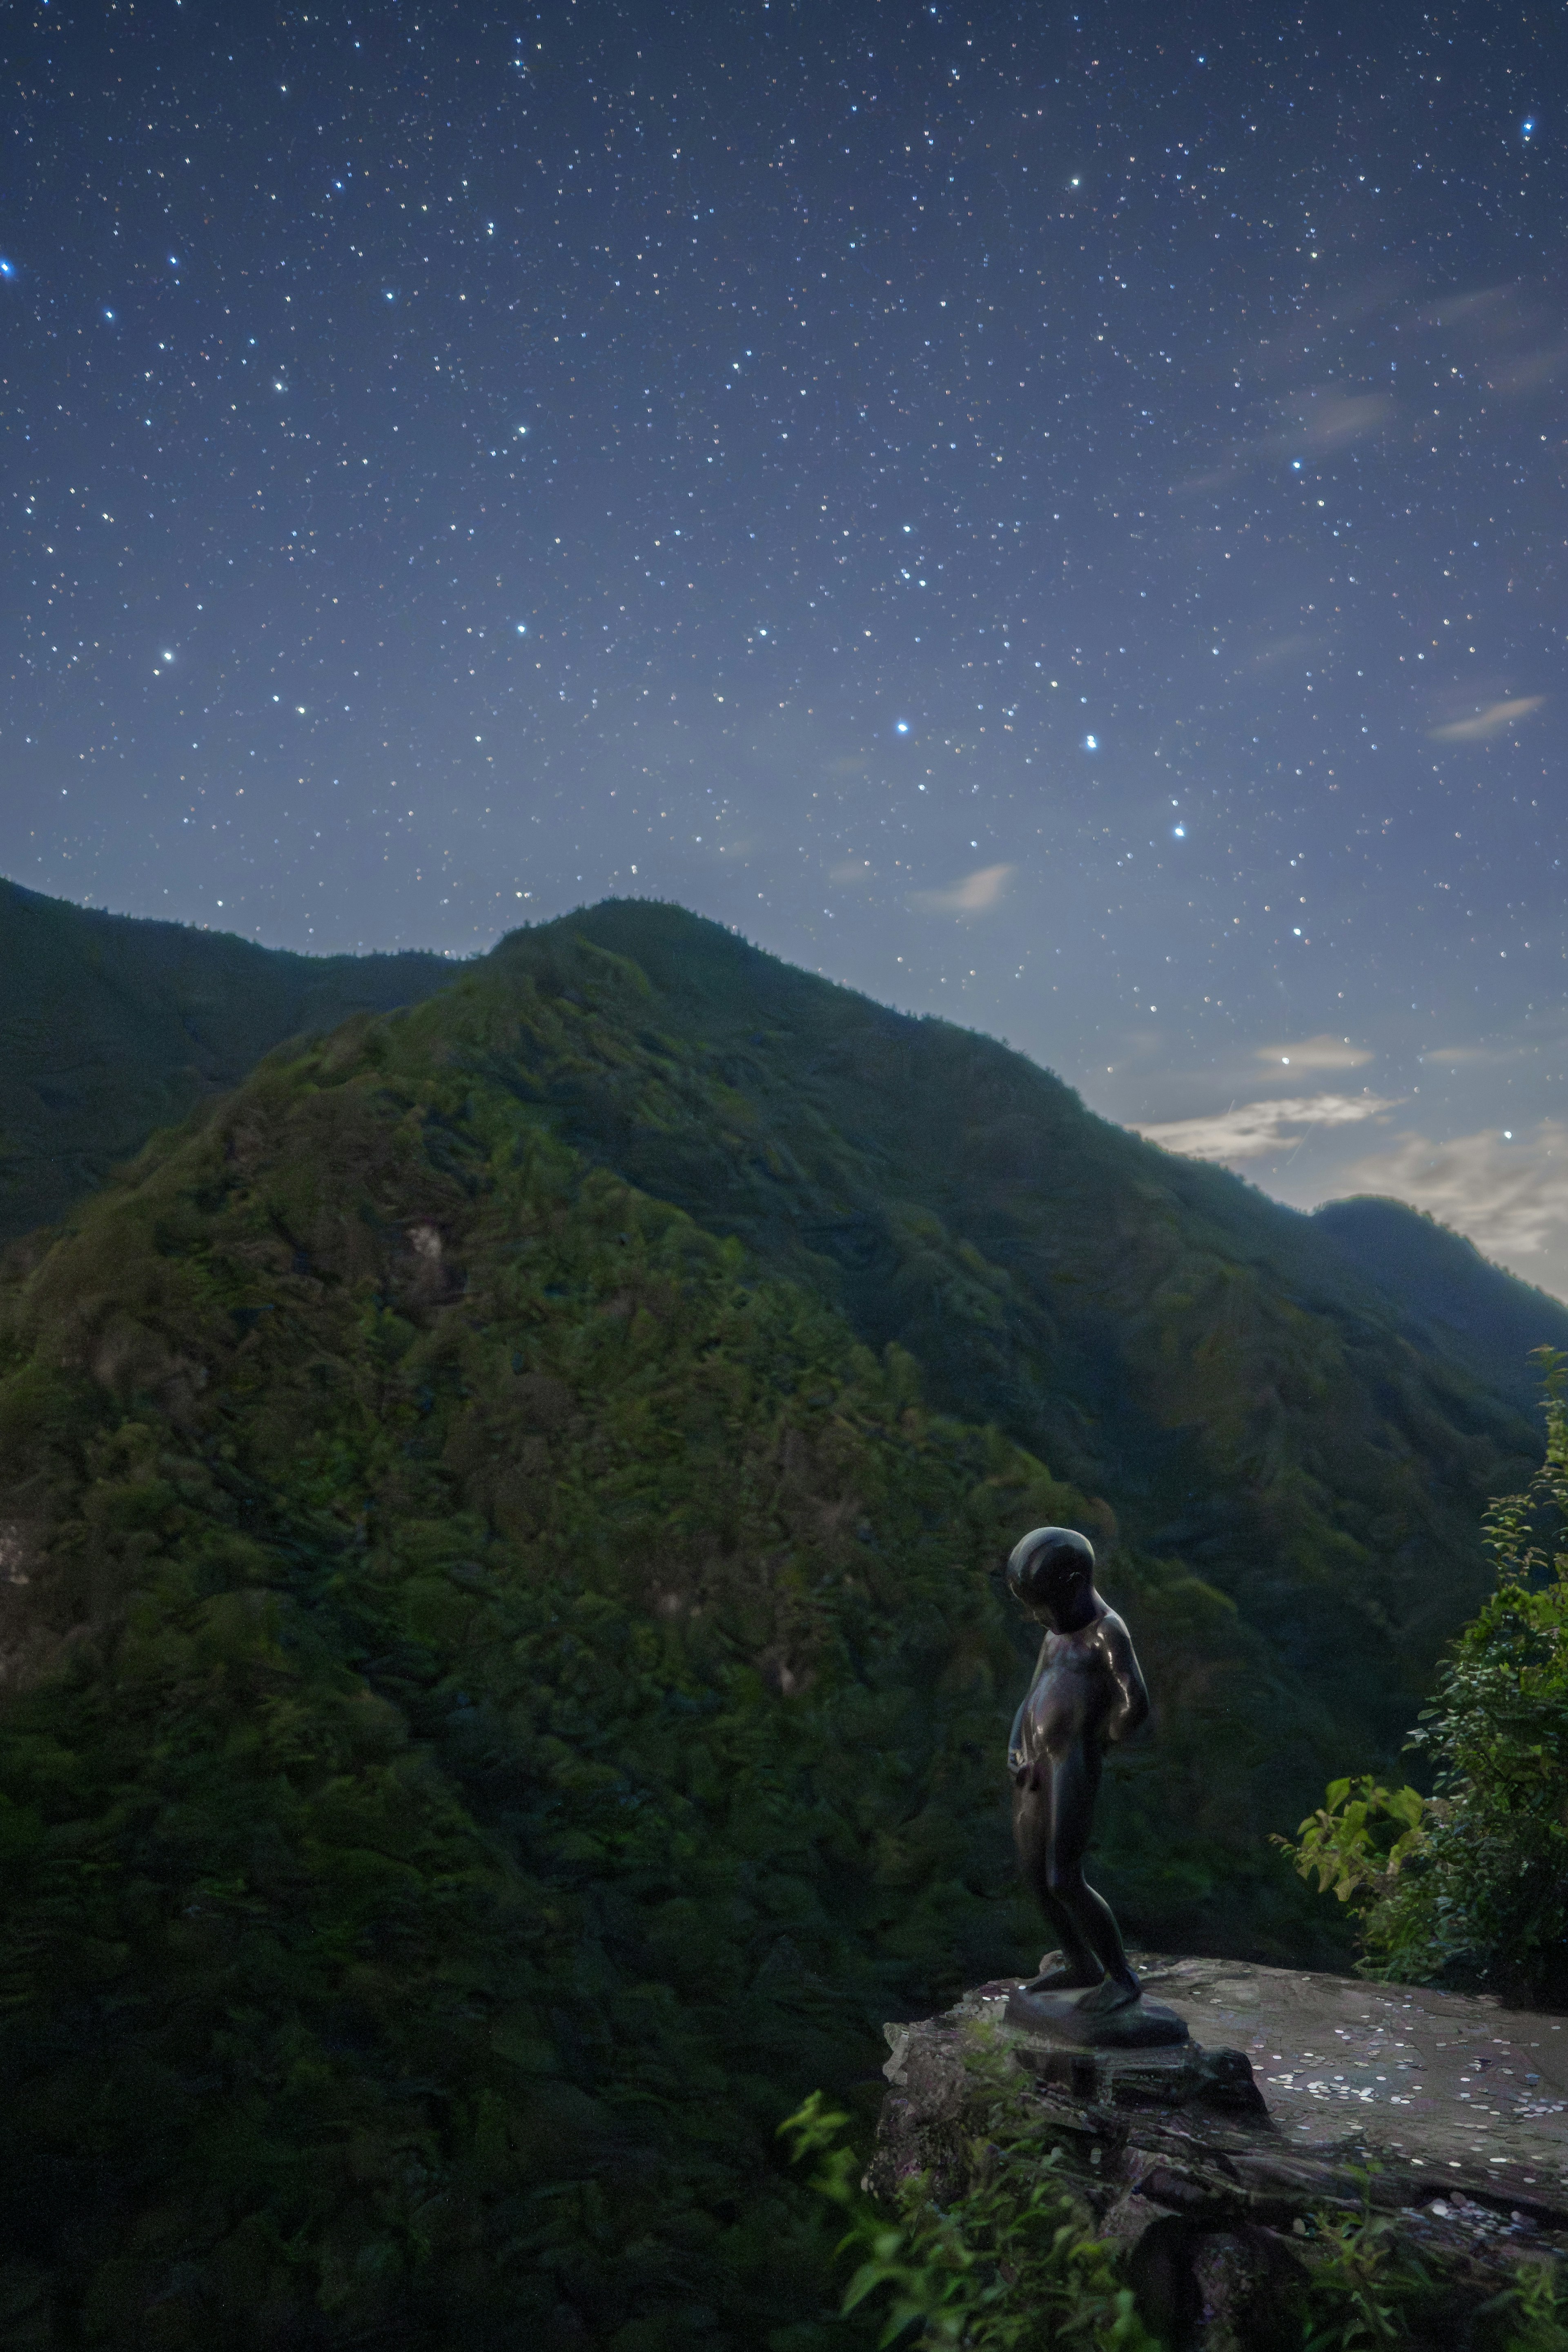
{"x":1447,"y":1292}
{"x":1158,"y":1330}
{"x":111,"y":1027}
{"x":506,"y":1675}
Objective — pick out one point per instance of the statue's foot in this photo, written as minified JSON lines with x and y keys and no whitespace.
{"x":1063,"y":1979}
{"x":1111,"y":1994}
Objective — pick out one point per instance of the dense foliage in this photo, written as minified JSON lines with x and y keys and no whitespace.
{"x":110,"y":1028}
{"x":1469,"y":1886}
{"x":1158,"y":1332}
{"x":504,"y":1678}
{"x":1006,"y":2259}
{"x":1315,"y":1447}
{"x":527,"y":1709}
{"x":1447,"y":1290}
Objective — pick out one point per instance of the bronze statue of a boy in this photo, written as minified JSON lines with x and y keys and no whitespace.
{"x":1087,"y":1692}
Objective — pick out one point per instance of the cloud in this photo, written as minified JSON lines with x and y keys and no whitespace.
{"x":848,"y":872}
{"x":1319,"y":420}
{"x":976,"y":895}
{"x":1299,"y":646}
{"x":1328,"y":418}
{"x":1495,"y":719}
{"x":1458,"y":1055}
{"x":1256,"y":1129}
{"x":1483,"y":303}
{"x":1324,"y":1053}
{"x":1508,"y":1195}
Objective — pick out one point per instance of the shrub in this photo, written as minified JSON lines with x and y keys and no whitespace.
{"x":1009,"y":2264}
{"x":1468,"y":1886}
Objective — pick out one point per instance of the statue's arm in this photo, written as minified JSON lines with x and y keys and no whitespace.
{"x":1016,"y":1764}
{"x":1017,"y":1761}
{"x":1130,"y":1706}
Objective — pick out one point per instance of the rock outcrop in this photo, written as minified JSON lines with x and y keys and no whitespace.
{"x":1219,"y":2169}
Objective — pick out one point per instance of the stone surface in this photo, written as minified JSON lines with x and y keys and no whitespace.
{"x":1454,"y":2087}
{"x":1185,"y":2075}
{"x":1299,"y":2094}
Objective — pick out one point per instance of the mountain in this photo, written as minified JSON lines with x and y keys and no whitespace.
{"x":1450,"y":1296}
{"x":1157,"y":1329}
{"x":505,"y":1669}
{"x":111,"y":1027}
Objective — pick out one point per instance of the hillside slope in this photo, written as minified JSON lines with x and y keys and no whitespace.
{"x":1158,"y":1330}
{"x":1162,"y":1335}
{"x":1449,"y":1295}
{"x":111,"y":1027}
{"x":501,"y":1701}
{"x":505,"y":1674}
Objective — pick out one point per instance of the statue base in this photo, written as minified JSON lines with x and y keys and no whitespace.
{"x":1072,"y":2018}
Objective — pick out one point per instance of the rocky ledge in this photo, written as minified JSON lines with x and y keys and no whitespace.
{"x":1213,"y":2166}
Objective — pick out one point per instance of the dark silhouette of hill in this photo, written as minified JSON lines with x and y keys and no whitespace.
{"x":111,"y":1027}
{"x":504,"y":1677}
{"x":1448,"y":1291}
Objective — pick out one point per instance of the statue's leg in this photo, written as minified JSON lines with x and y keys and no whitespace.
{"x":1032,"y":1820}
{"x":1074,"y":1785}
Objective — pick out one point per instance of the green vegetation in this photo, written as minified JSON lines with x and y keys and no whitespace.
{"x":1448,"y":1294}
{"x":511,"y":1702}
{"x":110,"y":1028}
{"x":1004,"y":2259}
{"x":1297,"y":1488}
{"x":1469,"y":1887}
{"x":1007,"y":2262}
{"x":505,"y":1674}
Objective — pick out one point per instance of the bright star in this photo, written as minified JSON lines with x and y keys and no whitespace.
{"x":1092,"y":742}
{"x":902,"y":727}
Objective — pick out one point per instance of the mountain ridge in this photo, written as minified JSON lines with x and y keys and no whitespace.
{"x":504,"y":1671}
{"x":1439,"y":1277}
{"x":111,"y":1026}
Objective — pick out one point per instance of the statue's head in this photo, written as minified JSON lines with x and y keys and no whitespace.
{"x":1051,"y":1573}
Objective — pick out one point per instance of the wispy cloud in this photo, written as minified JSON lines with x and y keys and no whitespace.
{"x":1495,"y":719}
{"x":1507,"y":1192}
{"x":1482,"y":304}
{"x":1319,"y":420}
{"x":1299,"y":644}
{"x":1257,"y":1130}
{"x":1322,"y":1053}
{"x":1458,"y":1056}
{"x":1328,"y":418}
{"x":976,"y":893}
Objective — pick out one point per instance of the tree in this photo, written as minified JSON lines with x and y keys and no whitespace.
{"x":1468,"y":1886}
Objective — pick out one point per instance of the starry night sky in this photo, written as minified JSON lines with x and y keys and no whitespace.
{"x":1053,"y":518}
